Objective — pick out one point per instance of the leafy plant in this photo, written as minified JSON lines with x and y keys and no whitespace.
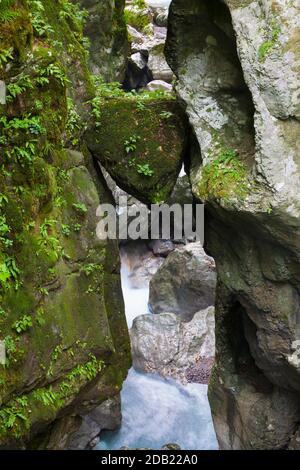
{"x":23,"y":324}
{"x":226,"y":175}
{"x":47,"y":240}
{"x":166,"y":114}
{"x":91,"y":268}
{"x":270,"y":43}
{"x":66,"y":230}
{"x":16,"y":88}
{"x":8,"y":272}
{"x":41,"y":27}
{"x":73,"y":12}
{"x":80,"y":207}
{"x":145,"y":169}
{"x":130,"y":144}
{"x":55,"y":71}
{"x":10,"y":345}
{"x":47,"y":397}
{"x":5,"y":56}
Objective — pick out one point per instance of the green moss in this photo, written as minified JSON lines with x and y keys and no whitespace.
{"x":267,"y":46}
{"x":139,"y":20}
{"x":152,"y":167}
{"x":224,"y":177}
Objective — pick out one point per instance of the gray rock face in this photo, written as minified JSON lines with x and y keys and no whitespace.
{"x":185,"y":283}
{"x":164,"y":344}
{"x":81,"y":432}
{"x":158,"y":65}
{"x":239,"y":81}
{"x":108,"y":44}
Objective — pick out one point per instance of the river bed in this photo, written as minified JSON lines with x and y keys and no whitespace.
{"x":156,"y":411}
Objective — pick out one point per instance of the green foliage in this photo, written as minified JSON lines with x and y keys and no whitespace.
{"x":130,"y":144}
{"x":55,"y":71}
{"x":5,"y":56}
{"x":73,"y":12}
{"x":40,"y":316}
{"x":7,"y":14}
{"x":66,"y":230}
{"x":225,"y":176}
{"x":14,"y":89}
{"x":267,"y":46}
{"x":145,"y":169}
{"x":48,"y":241}
{"x":80,"y":207}
{"x":23,"y":324}
{"x":10,"y":345}
{"x":166,"y":115}
{"x":139,"y":20}
{"x":47,"y":397}
{"x":73,"y":124}
{"x":91,"y":268}
{"x":40,"y":25}
{"x":8,"y":272}
{"x":10,"y":415}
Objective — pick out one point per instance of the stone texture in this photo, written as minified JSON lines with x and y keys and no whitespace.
{"x":185,"y":283}
{"x":238,"y":77}
{"x":73,"y":351}
{"x":160,"y":145}
{"x":165,"y":345}
{"x":106,"y":31}
{"x":158,"y":64}
{"x":159,"y":85}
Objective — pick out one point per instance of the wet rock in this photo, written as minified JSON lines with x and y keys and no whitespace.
{"x":185,"y":283}
{"x":171,"y":447}
{"x":162,"y":247}
{"x":159,"y":85}
{"x":161,"y":17}
{"x":81,"y":432}
{"x":158,"y":65}
{"x":137,"y":73}
{"x":239,"y":83}
{"x":106,"y":31}
{"x":164,"y":344}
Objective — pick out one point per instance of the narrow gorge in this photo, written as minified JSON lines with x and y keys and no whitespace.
{"x":150,"y":342}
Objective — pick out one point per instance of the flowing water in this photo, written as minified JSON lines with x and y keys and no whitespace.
{"x":156,"y":411}
{"x":158,"y":3}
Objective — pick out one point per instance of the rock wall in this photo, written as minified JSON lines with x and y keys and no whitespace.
{"x":65,"y":335}
{"x":237,"y":65}
{"x":105,"y":29}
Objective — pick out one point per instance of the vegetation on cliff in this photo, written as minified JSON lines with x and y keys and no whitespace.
{"x":56,"y":318}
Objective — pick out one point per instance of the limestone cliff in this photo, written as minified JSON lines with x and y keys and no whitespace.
{"x":65,"y":335}
{"x":237,"y":64}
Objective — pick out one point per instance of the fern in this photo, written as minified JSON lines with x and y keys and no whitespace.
{"x":6,"y":13}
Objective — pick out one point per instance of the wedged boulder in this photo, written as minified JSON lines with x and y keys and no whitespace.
{"x":158,"y":65}
{"x":159,"y":85}
{"x":165,"y":345}
{"x":239,"y":82}
{"x":141,"y":143}
{"x":185,"y":283}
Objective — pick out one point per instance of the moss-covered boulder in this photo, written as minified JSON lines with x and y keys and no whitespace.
{"x":140,"y":140}
{"x":65,"y":334}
